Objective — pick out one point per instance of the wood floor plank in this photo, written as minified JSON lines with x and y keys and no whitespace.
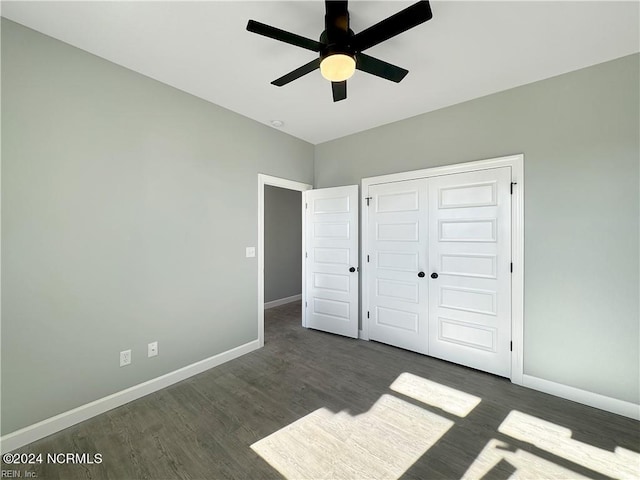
{"x":315,"y":405}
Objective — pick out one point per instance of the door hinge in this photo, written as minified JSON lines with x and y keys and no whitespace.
{"x":512,"y":184}
{"x":305,"y":304}
{"x":367,"y":258}
{"x":367,"y":314}
{"x":306,"y":205}
{"x":511,"y":267}
{"x":306,"y":255}
{"x":511,"y":346}
{"x":367,"y":199}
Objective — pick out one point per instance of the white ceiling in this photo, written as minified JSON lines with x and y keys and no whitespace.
{"x":468,"y":50}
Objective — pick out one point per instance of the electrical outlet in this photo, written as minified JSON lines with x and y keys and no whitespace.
{"x":152,"y":349}
{"x":250,"y":252}
{"x":125,"y":358}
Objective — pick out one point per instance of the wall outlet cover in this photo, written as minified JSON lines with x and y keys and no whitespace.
{"x":251,"y":252}
{"x":125,"y":358}
{"x":152,"y":349}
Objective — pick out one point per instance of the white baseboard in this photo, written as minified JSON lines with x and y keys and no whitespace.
{"x":282,"y":301}
{"x":626,"y":409}
{"x":64,"y":420}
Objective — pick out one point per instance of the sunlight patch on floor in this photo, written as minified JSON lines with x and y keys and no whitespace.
{"x":555,"y":439}
{"x":431,"y":393}
{"x":381,"y":443}
{"x":522,"y":464}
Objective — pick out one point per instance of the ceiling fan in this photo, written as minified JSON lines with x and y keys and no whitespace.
{"x":341,"y":49}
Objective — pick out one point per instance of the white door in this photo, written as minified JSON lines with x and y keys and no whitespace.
{"x":456,"y":229}
{"x":331,"y":260}
{"x":397,"y":258}
{"x":470,"y":269}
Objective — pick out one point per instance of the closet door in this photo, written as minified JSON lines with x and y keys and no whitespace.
{"x":398,"y":278}
{"x":469,"y":272}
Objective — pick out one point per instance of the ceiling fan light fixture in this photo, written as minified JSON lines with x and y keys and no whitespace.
{"x":340,"y":48}
{"x":338,"y":67}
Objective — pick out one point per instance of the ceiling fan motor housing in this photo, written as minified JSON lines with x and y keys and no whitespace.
{"x":337,"y":34}
{"x":341,"y":45}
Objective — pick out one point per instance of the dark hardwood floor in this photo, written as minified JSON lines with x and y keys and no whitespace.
{"x":315,"y":405}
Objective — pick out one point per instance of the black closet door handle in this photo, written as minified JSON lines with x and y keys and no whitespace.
{"x":352,"y":269}
{"x":434,"y":275}
{"x":421,"y":274}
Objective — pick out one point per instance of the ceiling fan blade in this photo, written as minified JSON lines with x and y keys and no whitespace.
{"x":297,"y":73}
{"x":339,"y":90}
{"x":379,"y":68}
{"x":394,"y":25}
{"x":283,"y":36}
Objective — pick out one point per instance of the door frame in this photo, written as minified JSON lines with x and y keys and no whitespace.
{"x":289,"y":185}
{"x":516,"y":162}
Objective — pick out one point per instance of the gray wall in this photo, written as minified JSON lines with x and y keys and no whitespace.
{"x":127,"y":204}
{"x":126,"y":209}
{"x":579,"y":133}
{"x":282,"y":243}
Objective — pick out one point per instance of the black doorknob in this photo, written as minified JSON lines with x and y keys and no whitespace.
{"x":352,"y":269}
{"x":421,"y":274}
{"x":434,"y":275}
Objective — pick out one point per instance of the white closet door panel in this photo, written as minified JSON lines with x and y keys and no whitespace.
{"x":397,"y":254}
{"x":470,"y":253}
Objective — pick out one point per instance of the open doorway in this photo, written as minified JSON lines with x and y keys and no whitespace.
{"x":275,"y":197}
{"x":282,"y":246}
